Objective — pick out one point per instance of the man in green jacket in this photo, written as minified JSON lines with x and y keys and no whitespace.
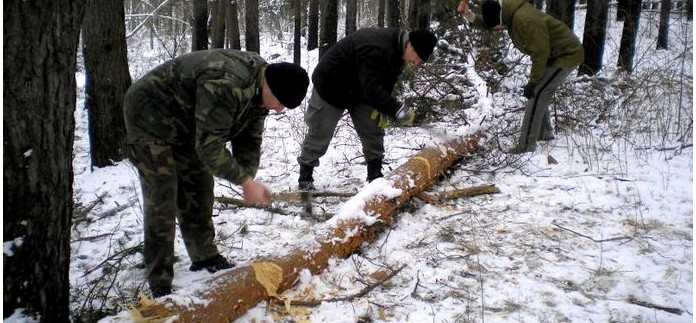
{"x":553,"y":48}
{"x":179,"y":118}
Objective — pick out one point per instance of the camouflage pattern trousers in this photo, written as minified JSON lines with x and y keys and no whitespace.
{"x":175,"y":187}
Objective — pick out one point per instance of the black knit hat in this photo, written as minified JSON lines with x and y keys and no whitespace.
{"x":490,"y":10}
{"x":423,"y":42}
{"x":288,"y":82}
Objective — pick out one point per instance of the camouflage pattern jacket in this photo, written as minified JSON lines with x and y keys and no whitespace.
{"x":205,"y":98}
{"x":547,"y":40}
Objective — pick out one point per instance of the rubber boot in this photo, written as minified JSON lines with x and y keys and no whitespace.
{"x":374,"y":169}
{"x":306,"y":181}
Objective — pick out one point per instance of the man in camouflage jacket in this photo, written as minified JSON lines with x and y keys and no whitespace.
{"x":553,"y":48}
{"x":179,"y":118}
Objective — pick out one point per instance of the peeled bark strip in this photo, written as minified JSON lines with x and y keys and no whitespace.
{"x":231,"y":295}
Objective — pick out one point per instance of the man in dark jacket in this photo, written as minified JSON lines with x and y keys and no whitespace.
{"x":553,"y":48}
{"x":179,"y":117}
{"x":358,"y":74}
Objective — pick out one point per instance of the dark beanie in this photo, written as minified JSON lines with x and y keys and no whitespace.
{"x":490,"y":10}
{"x":288,"y":82}
{"x":423,"y":41}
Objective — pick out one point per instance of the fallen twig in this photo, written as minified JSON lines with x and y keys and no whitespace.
{"x":297,"y":196}
{"x":591,"y":238}
{"x":672,"y":310}
{"x":361,"y":293}
{"x":240,"y":203}
{"x":458,"y":193}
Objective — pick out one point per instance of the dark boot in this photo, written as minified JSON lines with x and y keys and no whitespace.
{"x":306,"y":181}
{"x":374,"y":169}
{"x":212,"y":264}
{"x":159,"y":291}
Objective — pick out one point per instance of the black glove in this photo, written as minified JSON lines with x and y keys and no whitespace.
{"x":529,"y":90}
{"x":404,"y":116}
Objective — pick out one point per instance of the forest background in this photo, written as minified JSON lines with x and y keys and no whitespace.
{"x":45,"y":46}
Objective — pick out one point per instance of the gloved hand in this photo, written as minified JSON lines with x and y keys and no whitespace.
{"x":529,"y":90}
{"x":381,"y":120}
{"x":405,"y":116}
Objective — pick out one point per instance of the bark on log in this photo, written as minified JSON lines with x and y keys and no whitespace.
{"x":240,"y":289}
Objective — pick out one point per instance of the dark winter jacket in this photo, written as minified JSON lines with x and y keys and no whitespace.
{"x":362,"y":68}
{"x":203,"y":98}
{"x":545,"y":39}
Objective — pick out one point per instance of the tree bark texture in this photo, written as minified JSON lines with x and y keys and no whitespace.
{"x":329,"y":25}
{"x":232,"y":29}
{"x":380,"y":12}
{"x":594,"y":36}
{"x":351,"y":16}
{"x":251,"y":21}
{"x":39,"y":51}
{"x":242,"y":288}
{"x":313,"y":25}
{"x":108,"y":78}
{"x":199,"y":39}
{"x":419,"y":14}
{"x":627,"y":48}
{"x":218,"y":30}
{"x":563,"y":10}
{"x":297,"y":35}
{"x":663,"y":34}
{"x":394,"y":10}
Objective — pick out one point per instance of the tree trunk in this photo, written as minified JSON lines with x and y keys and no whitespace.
{"x":412,"y":16}
{"x":419,"y":14}
{"x":594,"y":36}
{"x":622,"y":9}
{"x":106,"y":65}
{"x":690,"y":10}
{"x":233,"y":37}
{"x":394,"y":10}
{"x":251,"y":21}
{"x":329,"y":25}
{"x":663,"y":34}
{"x":313,"y":25}
{"x":563,"y":10}
{"x":199,"y":38}
{"x":424,"y":11}
{"x":297,"y":36}
{"x":351,"y":16}
{"x":39,"y":51}
{"x":264,"y":279}
{"x":629,"y":33}
{"x":380,"y":13}
{"x":218,"y":37}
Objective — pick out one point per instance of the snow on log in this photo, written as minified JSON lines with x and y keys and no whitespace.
{"x":240,"y":289}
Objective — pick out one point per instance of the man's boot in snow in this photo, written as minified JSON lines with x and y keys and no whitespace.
{"x":374,"y":169}
{"x":306,"y":181}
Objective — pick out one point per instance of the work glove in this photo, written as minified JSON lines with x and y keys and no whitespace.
{"x":529,"y":90}
{"x":404,"y":116}
{"x":381,"y":120}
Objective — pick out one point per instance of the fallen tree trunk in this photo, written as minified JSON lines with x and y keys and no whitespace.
{"x":240,"y":289}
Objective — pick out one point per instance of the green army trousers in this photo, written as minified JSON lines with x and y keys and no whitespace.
{"x":175,"y":187}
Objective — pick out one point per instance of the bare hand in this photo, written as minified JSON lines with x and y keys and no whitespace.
{"x":463,"y":7}
{"x":256,"y":193}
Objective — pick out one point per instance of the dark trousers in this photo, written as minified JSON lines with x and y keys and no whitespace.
{"x":537,"y":118}
{"x":322,"y":118}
